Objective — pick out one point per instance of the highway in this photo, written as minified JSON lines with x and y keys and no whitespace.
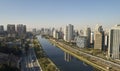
{"x":30,"y":62}
{"x":97,"y":59}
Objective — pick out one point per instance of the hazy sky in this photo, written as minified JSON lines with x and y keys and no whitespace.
{"x":57,"y":13}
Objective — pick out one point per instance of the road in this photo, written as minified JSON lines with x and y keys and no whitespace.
{"x":30,"y":62}
{"x":105,"y":62}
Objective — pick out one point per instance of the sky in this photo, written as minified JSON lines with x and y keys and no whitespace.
{"x":59,"y":13}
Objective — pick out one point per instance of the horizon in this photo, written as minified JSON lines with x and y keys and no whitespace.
{"x":59,"y":13}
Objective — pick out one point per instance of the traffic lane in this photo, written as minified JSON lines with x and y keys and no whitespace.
{"x":35,"y":62}
{"x":106,"y":61}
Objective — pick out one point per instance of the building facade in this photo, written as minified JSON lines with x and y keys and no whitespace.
{"x":87,"y":33}
{"x":66,"y":33}
{"x":114,"y":42}
{"x":92,"y":38}
{"x":1,"y":28}
{"x":21,"y":30}
{"x":98,"y":38}
{"x":81,"y":41}
{"x":11,"y":30}
{"x":69,"y":33}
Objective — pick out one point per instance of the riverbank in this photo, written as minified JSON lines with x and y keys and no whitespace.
{"x":45,"y":63}
{"x":79,"y":57}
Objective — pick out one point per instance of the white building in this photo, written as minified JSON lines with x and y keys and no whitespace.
{"x":114,"y":42}
{"x":92,"y":38}
{"x":81,"y":41}
{"x":66,"y":33}
{"x":69,"y":33}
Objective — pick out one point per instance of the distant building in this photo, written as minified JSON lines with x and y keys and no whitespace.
{"x":81,"y":41}
{"x":11,"y":30}
{"x":2,"y":32}
{"x":92,"y":38}
{"x":21,"y":30}
{"x":87,"y":33}
{"x":114,"y":42}
{"x":61,"y":33}
{"x":42,"y":31}
{"x":106,"y":38}
{"x":34,"y":31}
{"x":98,"y":38}
{"x":55,"y":35}
{"x":69,"y":36}
{"x":1,"y":28}
{"x":70,"y":33}
{"x":47,"y":31}
{"x":66,"y":33}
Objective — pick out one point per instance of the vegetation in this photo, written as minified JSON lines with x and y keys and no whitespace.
{"x":46,"y":63}
{"x":8,"y":68}
{"x":14,"y":50}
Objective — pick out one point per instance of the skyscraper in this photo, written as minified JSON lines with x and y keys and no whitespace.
{"x":21,"y":29}
{"x":34,"y":31}
{"x":87,"y":33}
{"x":11,"y":30}
{"x":114,"y":42}
{"x":92,"y":38}
{"x":1,"y":28}
{"x":98,"y":37}
{"x":68,"y":34}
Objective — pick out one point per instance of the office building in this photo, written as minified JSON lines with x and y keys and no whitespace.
{"x":66,"y":33}
{"x":69,"y":33}
{"x":2,"y":32}
{"x":81,"y":41}
{"x":11,"y":30}
{"x":21,"y":30}
{"x":55,"y":34}
{"x":1,"y":28}
{"x":34,"y":31}
{"x":87,"y":33}
{"x":98,"y":38}
{"x":92,"y":38}
{"x":114,"y":42}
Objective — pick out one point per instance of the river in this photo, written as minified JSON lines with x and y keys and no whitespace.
{"x":63,"y":60}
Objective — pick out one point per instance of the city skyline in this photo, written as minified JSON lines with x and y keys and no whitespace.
{"x":51,"y":13}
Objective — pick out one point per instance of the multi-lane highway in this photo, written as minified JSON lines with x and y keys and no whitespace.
{"x":30,"y":62}
{"x":105,"y":63}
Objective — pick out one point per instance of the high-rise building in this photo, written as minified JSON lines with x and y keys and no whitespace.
{"x":98,"y":38}
{"x":87,"y":33}
{"x":81,"y":41}
{"x":21,"y":30}
{"x":92,"y":38}
{"x":55,"y":34}
{"x":70,"y":33}
{"x":1,"y":28}
{"x":106,"y":38}
{"x":66,"y":33}
{"x":69,"y":36}
{"x":11,"y":30}
{"x":34,"y":31}
{"x":114,"y":42}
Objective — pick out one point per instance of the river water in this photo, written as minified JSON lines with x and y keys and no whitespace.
{"x":63,"y":60}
